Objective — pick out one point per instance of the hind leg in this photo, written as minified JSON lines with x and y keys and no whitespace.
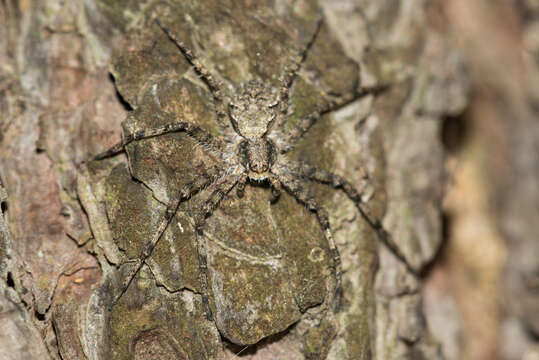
{"x":293,"y":185}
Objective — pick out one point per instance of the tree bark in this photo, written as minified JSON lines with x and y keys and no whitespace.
{"x":70,"y":230}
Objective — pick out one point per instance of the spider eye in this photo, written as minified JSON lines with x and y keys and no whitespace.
{"x":273,"y":104}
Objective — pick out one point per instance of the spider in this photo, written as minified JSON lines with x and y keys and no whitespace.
{"x":253,"y":148}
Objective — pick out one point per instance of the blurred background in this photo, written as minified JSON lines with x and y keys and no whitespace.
{"x":488,"y":270}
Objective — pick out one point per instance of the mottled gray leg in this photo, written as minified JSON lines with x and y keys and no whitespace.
{"x":240,"y":188}
{"x":185,"y":193}
{"x":205,"y":74}
{"x":304,"y":123}
{"x":275,"y":187}
{"x":338,"y":182}
{"x":200,"y":135}
{"x":218,"y":191}
{"x":293,"y":185}
{"x":293,"y":67}
{"x":325,"y":177}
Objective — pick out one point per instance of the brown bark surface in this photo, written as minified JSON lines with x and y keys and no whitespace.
{"x":76,"y":74}
{"x":491,"y":206}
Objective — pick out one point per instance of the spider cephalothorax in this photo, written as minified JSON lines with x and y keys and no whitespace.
{"x":252,"y":113}
{"x":252,"y":148}
{"x":253,"y":109}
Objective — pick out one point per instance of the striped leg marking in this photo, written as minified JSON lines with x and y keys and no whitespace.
{"x":197,"y":133}
{"x":205,"y":74}
{"x":293,"y":185}
{"x":218,"y":191}
{"x":185,"y":193}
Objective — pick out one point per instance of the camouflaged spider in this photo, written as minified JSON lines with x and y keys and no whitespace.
{"x":254,"y":149}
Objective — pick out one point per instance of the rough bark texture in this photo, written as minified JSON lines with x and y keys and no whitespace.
{"x":69,"y":231}
{"x":492,"y":262}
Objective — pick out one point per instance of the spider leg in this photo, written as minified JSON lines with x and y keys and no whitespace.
{"x":293,"y":185}
{"x":292,"y":68}
{"x":186,"y":192}
{"x":197,"y":133}
{"x":325,"y":177}
{"x":338,"y":182}
{"x":275,"y":187}
{"x":305,"y":122}
{"x":205,"y":74}
{"x":240,"y":188}
{"x":218,"y":191}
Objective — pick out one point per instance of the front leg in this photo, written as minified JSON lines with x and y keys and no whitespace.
{"x":304,"y":123}
{"x":206,"y":75}
{"x":292,"y":68}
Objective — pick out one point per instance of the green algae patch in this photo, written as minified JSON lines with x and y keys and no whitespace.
{"x":306,"y":252}
{"x":249,"y":278}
